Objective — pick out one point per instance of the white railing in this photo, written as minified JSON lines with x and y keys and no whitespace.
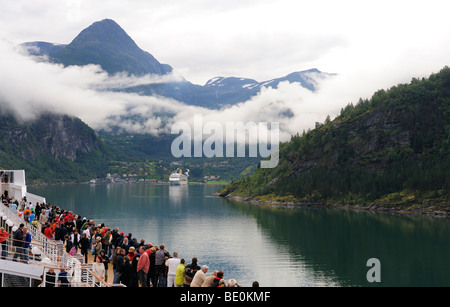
{"x":29,"y":255}
{"x":42,"y":252}
{"x":32,"y":198}
{"x":10,"y":219}
{"x":83,"y":277}
{"x":18,"y":261}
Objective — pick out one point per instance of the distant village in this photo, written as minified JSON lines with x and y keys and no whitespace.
{"x":154,"y":172}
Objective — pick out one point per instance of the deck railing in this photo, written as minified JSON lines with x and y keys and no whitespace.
{"x":80,"y":277}
{"x":10,"y":220}
{"x":43,"y":252}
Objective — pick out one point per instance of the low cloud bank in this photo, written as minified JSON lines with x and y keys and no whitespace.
{"x":30,"y":86}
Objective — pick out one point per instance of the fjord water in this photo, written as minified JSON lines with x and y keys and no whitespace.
{"x":275,"y":246}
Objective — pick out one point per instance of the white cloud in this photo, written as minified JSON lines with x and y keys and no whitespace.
{"x":29,"y":87}
{"x":255,"y":39}
{"x":370,"y":44}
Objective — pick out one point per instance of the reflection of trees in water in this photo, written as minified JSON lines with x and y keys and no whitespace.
{"x":413,"y":250}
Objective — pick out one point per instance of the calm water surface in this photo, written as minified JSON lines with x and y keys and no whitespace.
{"x":275,"y":246}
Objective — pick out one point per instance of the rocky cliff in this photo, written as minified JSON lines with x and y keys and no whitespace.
{"x":52,"y":147}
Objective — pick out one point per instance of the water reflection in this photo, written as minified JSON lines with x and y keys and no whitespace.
{"x":177,"y":193}
{"x":413,"y":250}
{"x":276,"y":246}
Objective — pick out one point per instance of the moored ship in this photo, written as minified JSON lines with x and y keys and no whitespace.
{"x":178,"y":178}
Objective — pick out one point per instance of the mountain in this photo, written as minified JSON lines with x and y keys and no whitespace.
{"x":390,"y":151}
{"x":307,"y":79}
{"x":232,"y":89}
{"x":106,"y":44}
{"x":53,"y":148}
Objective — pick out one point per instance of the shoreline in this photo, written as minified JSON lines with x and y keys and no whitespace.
{"x":372,"y":208}
{"x":102,"y":183}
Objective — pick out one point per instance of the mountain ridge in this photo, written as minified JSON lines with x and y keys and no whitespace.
{"x":106,"y":44}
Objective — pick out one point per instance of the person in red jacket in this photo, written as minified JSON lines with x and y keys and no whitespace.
{"x":4,"y":242}
{"x":48,"y":232}
{"x":143,"y":266}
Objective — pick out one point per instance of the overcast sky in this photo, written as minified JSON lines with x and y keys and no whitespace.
{"x":370,"y":44}
{"x":258,"y":39}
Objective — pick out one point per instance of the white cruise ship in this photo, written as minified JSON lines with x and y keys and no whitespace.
{"x":178,"y":178}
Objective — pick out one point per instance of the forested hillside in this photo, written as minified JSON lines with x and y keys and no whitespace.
{"x":390,"y":150}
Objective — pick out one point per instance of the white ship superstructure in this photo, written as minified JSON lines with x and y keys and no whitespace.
{"x":13,"y":185}
{"x":178,"y":178}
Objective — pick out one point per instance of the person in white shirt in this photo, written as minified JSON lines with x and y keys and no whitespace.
{"x":172,"y":264}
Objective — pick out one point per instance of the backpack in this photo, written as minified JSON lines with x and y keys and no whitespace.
{"x":190,"y":272}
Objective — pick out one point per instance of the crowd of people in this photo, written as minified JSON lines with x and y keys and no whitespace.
{"x":134,"y":264}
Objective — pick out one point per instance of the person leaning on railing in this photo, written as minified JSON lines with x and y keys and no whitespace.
{"x":4,"y":242}
{"x":18,"y":243}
